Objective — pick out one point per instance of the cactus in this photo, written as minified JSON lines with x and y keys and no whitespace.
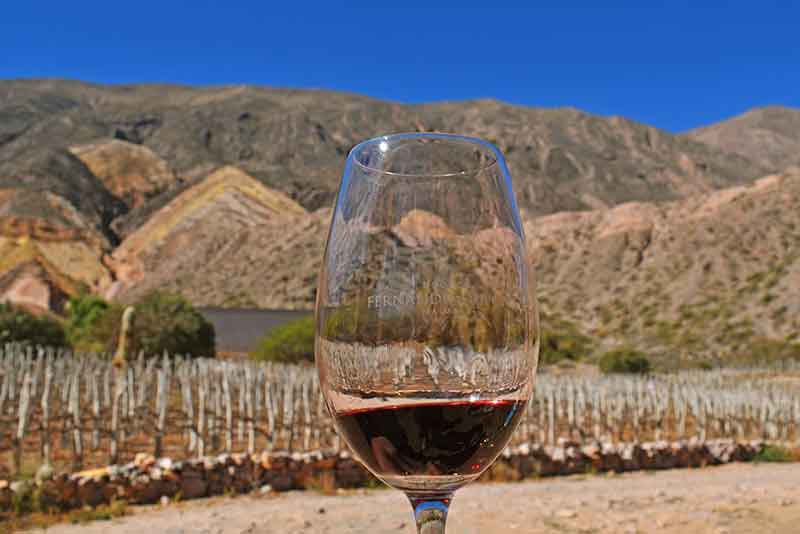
{"x":124,"y":343}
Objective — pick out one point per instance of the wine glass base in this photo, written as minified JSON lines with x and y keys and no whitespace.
{"x":427,"y":485}
{"x":430,"y":511}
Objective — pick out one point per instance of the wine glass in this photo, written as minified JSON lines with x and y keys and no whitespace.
{"x":427,"y":330}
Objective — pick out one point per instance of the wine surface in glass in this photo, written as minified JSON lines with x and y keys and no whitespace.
{"x":436,"y":445}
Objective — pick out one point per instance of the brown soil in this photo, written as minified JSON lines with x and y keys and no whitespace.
{"x":735,"y":499}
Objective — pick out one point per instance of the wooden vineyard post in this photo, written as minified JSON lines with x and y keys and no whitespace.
{"x":45,"y":404}
{"x":250,"y":413}
{"x":569,"y":400}
{"x":321,"y":412}
{"x":226,"y":391}
{"x":75,"y":411}
{"x":120,"y":388}
{"x":214,"y":423}
{"x":288,"y":411}
{"x":542,"y":413}
{"x":551,"y":418}
{"x":95,"y":411}
{"x":24,"y":412}
{"x":239,"y":380}
{"x":306,"y":416}
{"x":162,"y":395}
{"x":202,"y":396}
{"x":258,"y":393}
{"x":188,"y":405}
{"x":270,"y":407}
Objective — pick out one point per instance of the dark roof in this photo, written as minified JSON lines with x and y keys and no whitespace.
{"x":238,"y":330}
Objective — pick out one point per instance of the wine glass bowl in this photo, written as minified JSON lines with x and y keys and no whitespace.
{"x":427,"y":326}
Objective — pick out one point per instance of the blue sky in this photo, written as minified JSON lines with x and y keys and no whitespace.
{"x":673,"y":65}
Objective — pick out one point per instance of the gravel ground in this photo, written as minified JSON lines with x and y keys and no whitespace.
{"x":734,"y":499}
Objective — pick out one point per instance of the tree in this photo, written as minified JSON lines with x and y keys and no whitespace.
{"x":162,"y":322}
{"x":289,"y":343}
{"x":562,"y":340}
{"x":83,"y":314}
{"x":625,"y":360}
{"x":20,"y":326}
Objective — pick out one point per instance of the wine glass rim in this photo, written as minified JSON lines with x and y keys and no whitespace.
{"x":453,"y":138}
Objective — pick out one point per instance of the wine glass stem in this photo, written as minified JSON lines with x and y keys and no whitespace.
{"x":430,"y":512}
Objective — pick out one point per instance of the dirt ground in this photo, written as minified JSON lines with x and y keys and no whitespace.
{"x":734,"y":499}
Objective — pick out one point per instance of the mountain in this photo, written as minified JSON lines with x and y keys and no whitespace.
{"x":674,"y":243}
{"x":696,"y":278}
{"x":130,"y":172}
{"x":45,"y":260}
{"x":295,"y":141}
{"x":58,"y":172}
{"x":196,"y":229}
{"x":703,"y":276}
{"x":768,"y":136}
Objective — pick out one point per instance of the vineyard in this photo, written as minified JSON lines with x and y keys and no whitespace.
{"x":79,"y":411}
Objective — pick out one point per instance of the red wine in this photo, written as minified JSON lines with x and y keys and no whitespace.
{"x":433,"y":439}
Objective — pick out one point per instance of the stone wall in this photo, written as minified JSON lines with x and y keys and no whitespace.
{"x":148,"y":480}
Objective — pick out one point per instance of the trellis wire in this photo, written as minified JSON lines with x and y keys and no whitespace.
{"x":197,"y":407}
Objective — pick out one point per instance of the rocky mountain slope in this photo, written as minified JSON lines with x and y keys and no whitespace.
{"x":179,"y":243}
{"x":131,"y":172}
{"x":768,"y":136}
{"x":295,"y":141}
{"x":48,"y":250}
{"x":223,"y":193}
{"x":706,"y":276}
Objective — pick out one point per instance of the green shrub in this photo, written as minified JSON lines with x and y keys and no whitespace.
{"x":774,"y":453}
{"x":83,"y":314}
{"x":561,"y":340}
{"x":703,"y":365}
{"x":103,"y":512}
{"x":20,"y":326}
{"x":162,"y":322}
{"x":767,"y":351}
{"x":624,"y":360}
{"x":289,"y":343}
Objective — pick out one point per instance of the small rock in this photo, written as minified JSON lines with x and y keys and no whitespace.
{"x":786,"y":502}
{"x":164,"y":500}
{"x":566,"y":513}
{"x":115,"y":471}
{"x":321,"y":511}
{"x":209,"y":463}
{"x":165,"y":464}
{"x":266,"y":488}
{"x":21,"y":487}
{"x":44,"y":473}
{"x":144,"y":461}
